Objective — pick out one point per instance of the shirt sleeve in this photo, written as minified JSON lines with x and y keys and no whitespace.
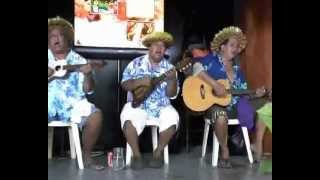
{"x":178,"y":87}
{"x":128,"y":72}
{"x":197,"y":68}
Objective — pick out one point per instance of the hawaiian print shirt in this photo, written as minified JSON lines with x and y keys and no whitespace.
{"x":140,"y":67}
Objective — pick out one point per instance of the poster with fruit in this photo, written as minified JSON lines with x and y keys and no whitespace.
{"x":116,"y":23}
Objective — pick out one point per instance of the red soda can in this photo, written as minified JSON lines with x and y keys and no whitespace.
{"x":110,"y":154}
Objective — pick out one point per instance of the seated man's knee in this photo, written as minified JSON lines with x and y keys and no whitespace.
{"x":172,"y":128}
{"x":221,"y":120}
{"x":127,"y":125}
{"x":95,"y":119}
{"x":220,"y":116}
{"x":99,"y":115}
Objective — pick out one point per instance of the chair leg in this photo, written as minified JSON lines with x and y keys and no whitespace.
{"x":154,"y":137}
{"x":72,"y":144}
{"x":247,"y":142}
{"x":205,"y":138}
{"x":128,"y":155}
{"x":155,"y":144}
{"x":215,"y":151}
{"x":76,"y":138}
{"x":166,"y":154}
{"x":50,"y":141}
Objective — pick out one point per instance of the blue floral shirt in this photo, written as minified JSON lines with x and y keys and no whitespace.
{"x":213,"y":64}
{"x":140,"y":67}
{"x":64,"y":93}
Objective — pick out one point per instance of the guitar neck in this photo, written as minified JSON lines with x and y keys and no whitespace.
{"x":159,"y":79}
{"x":241,"y":92}
{"x":179,"y":66}
{"x":72,"y":67}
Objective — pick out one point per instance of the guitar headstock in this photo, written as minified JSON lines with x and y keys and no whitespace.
{"x":184,"y":64}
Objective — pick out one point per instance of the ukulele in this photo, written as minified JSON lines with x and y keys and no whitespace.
{"x":60,"y":68}
{"x":142,"y":92}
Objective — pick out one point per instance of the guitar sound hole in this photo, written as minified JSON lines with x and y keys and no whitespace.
{"x":212,"y":91}
{"x":58,"y":68}
{"x":202,"y":92}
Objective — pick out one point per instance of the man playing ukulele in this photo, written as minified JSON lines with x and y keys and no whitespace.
{"x":67,"y":96}
{"x":157,"y":105}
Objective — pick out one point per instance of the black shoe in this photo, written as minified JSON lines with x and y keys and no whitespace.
{"x":136,"y":163}
{"x":156,"y":162}
{"x":224,"y":163}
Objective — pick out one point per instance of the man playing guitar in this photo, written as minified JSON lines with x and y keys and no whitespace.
{"x":211,"y":67}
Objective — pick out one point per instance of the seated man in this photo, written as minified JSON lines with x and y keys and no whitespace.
{"x":67,"y":95}
{"x":157,"y":105}
{"x":211,"y":67}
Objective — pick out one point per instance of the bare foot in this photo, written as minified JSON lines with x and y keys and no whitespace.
{"x":157,"y":153}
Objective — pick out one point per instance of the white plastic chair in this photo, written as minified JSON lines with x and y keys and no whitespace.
{"x":215,"y":149}
{"x":75,"y":146}
{"x":154,"y":125}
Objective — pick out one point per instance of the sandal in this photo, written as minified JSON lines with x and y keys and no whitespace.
{"x":224,"y":163}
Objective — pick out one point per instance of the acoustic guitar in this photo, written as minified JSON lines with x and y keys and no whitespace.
{"x":199,"y":95}
{"x":142,"y":92}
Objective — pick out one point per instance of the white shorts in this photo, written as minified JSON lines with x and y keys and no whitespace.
{"x":138,"y":117}
{"x":79,"y":113}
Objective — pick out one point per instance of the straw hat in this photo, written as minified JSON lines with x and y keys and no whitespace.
{"x":64,"y":24}
{"x":165,"y":37}
{"x":227,"y":33}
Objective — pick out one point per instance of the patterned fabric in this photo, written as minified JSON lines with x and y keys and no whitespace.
{"x":140,"y":67}
{"x":64,"y":93}
{"x":213,"y":64}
